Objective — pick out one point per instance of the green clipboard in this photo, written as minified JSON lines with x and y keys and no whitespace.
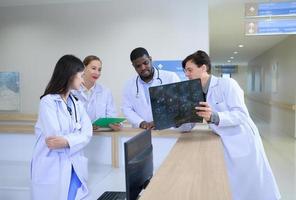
{"x":105,"y":122}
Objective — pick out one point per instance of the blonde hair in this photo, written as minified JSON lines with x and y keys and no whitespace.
{"x":90,"y":58}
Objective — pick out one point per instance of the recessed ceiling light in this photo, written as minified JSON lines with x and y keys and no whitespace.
{"x":231,"y":57}
{"x":235,"y":52}
{"x":228,"y":61}
{"x":240,"y":46}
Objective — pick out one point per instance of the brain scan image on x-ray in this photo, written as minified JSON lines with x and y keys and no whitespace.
{"x":174,"y":104}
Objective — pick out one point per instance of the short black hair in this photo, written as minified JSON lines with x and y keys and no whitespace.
{"x":199,"y":58}
{"x":138,"y":52}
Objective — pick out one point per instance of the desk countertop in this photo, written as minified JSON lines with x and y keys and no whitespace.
{"x":194,"y":169}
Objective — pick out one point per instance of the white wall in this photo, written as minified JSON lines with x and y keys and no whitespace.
{"x":33,"y":38}
{"x":283,"y":55}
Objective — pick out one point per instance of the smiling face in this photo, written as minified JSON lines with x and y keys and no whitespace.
{"x":92,"y":71}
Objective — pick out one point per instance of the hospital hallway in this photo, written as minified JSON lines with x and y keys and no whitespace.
{"x":264,"y":66}
{"x":256,"y":50}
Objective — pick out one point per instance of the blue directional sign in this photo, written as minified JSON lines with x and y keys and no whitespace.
{"x":279,"y":8}
{"x":270,"y":9}
{"x":271,"y":27}
{"x":171,"y":65}
{"x":277,"y":26}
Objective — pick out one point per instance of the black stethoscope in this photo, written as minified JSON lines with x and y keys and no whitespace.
{"x":70,"y":110}
{"x":137,"y":80}
{"x":77,"y":125}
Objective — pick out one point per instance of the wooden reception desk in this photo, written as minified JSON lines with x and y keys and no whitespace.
{"x":194,"y":170}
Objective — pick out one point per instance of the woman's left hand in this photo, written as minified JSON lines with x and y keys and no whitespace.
{"x":115,"y":127}
{"x":56,"y":142}
{"x":204,"y":111}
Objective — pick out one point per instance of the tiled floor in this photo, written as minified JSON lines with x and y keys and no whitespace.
{"x":281,"y":153}
{"x":280,"y":149}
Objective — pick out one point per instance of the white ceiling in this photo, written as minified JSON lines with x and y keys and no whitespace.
{"x":226,"y":26}
{"x":227,"y":31}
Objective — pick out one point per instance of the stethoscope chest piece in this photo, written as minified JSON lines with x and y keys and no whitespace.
{"x":77,"y":126}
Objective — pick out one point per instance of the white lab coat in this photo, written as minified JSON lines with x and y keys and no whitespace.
{"x":135,"y":107}
{"x":100,"y":103}
{"x":248,"y":169}
{"x":51,"y":169}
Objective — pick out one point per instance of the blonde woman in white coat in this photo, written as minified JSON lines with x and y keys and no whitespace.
{"x":58,"y":167}
{"x":97,"y":99}
{"x":249,"y":172}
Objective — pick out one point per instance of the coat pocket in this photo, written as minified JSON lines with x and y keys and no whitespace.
{"x":220,"y":106}
{"x":237,"y":145}
{"x":45,"y":170}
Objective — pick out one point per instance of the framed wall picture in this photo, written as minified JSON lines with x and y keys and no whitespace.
{"x":9,"y":91}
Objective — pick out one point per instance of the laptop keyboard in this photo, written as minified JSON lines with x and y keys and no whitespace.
{"x":112,"y":196}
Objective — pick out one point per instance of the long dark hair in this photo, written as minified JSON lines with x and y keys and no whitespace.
{"x":65,"y":70}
